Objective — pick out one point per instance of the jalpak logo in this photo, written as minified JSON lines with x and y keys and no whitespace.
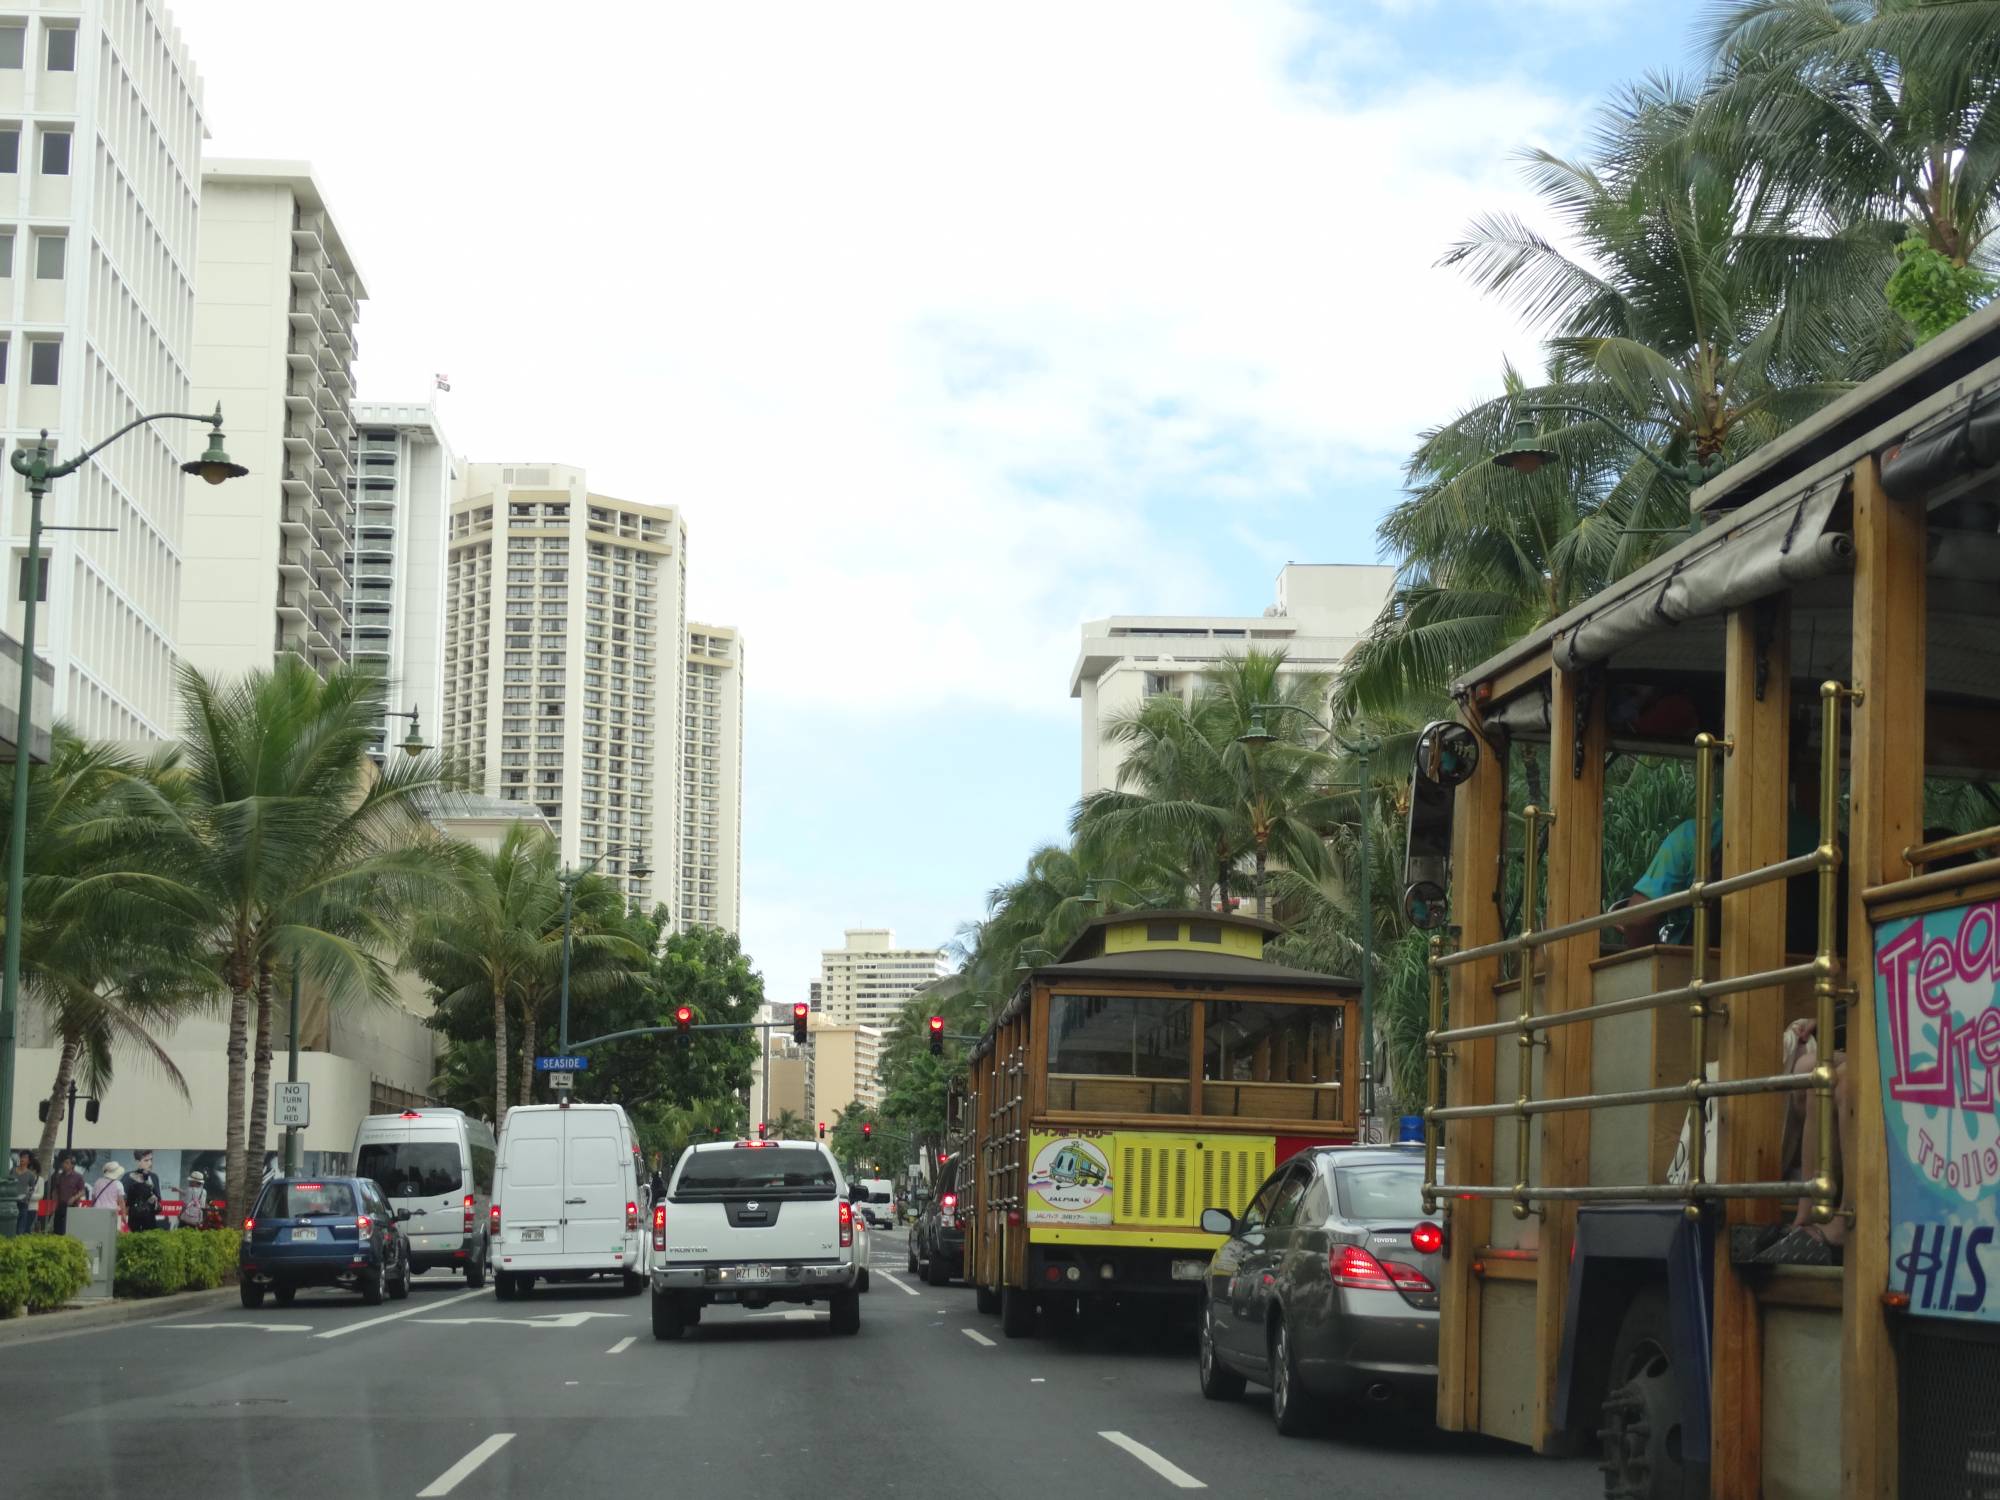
{"x":1070,"y":1174}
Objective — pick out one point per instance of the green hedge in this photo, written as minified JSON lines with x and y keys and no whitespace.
{"x":43,"y":1270}
{"x":211,"y":1256}
{"x":153,"y":1262}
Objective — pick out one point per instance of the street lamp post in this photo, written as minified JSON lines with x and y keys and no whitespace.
{"x":1256,"y":737}
{"x":640,"y":871}
{"x":1524,"y":454}
{"x":40,"y":470}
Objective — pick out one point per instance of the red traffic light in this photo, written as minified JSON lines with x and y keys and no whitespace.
{"x":683,"y":1016}
{"x":763,"y":1130}
{"x":937,"y":1036}
{"x":937,"y":1023}
{"x":822,"y":1130}
{"x":800,"y":1010}
{"x":867,"y":1130}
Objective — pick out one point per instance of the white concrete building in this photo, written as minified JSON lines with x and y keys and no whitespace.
{"x":401,"y":486}
{"x":100,"y":169}
{"x":711,"y":884}
{"x":277,"y":291}
{"x":565,"y":629}
{"x":867,"y":981}
{"x":1323,"y":611}
{"x":843,"y":1067}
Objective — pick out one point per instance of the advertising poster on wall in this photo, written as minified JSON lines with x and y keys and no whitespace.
{"x":1937,"y":1010}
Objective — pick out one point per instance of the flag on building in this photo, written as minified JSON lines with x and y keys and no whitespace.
{"x":443,"y":382}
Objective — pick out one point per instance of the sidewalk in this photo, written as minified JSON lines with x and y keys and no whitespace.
{"x":92,"y":1317}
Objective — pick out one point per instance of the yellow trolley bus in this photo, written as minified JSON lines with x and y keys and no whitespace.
{"x":1161,"y":1066}
{"x":1725,"y":1204}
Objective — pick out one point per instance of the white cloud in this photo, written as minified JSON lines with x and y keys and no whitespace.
{"x":915,"y":309}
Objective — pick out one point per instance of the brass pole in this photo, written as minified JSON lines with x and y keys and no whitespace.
{"x":1434,"y":1091}
{"x":1824,"y":1192}
{"x":1533,"y":817}
{"x":1704,"y":825}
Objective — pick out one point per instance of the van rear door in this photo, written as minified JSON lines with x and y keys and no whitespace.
{"x":594,"y":1200}
{"x":420,"y":1167}
{"x":531,"y":1183}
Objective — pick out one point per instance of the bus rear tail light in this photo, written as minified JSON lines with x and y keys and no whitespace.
{"x":846,"y":1225}
{"x":660,"y":1226}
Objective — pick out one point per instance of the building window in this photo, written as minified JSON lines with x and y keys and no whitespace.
{"x":13,"y":45}
{"x":6,"y":252}
{"x":49,"y":256}
{"x":62,"y":49}
{"x":55,"y":153}
{"x":4,"y":344}
{"x":10,"y":148}
{"x":44,"y":361}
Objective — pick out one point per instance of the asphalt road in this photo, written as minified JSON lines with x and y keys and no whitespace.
{"x":566,"y":1396}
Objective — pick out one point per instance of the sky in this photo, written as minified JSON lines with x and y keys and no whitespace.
{"x":948,"y":326}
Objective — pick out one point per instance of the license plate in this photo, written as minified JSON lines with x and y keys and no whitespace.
{"x":755,"y":1273}
{"x":1190,"y":1270}
{"x":531,"y":1236}
{"x":301,"y":1235}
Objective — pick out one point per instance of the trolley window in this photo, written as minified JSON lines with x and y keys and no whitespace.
{"x":1120,"y":1053}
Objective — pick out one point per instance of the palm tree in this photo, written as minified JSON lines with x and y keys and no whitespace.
{"x":789,"y":1127}
{"x":1882,"y":111}
{"x":602,"y":958}
{"x":107,"y":950}
{"x":478,"y":948}
{"x":1702,"y":312}
{"x":1173,"y":800}
{"x":299,"y":851}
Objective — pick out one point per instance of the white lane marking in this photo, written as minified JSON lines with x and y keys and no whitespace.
{"x":1174,"y":1475}
{"x":542,"y":1320}
{"x":1037,"y":1380}
{"x":258,"y":1327}
{"x":621,"y":1346}
{"x":449,"y":1480}
{"x":893,"y":1281}
{"x":977,"y":1337}
{"x":408,"y":1312}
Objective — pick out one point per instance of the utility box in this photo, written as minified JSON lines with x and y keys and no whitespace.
{"x":96,"y":1229}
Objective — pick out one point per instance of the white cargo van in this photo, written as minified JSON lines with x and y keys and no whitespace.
{"x":566,"y":1198}
{"x":438,"y":1164}
{"x":878,"y":1207}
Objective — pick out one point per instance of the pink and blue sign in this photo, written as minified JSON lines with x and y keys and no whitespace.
{"x":1937,"y":1008}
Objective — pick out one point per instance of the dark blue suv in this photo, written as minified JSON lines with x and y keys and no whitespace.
{"x":323,"y":1231}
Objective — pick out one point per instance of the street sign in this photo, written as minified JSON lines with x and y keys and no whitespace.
{"x":292,"y":1104}
{"x":562,"y":1064}
{"x":561,"y":1080}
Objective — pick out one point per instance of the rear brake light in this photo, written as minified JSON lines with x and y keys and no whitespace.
{"x":1427,"y":1239}
{"x":951,"y":1200}
{"x":660,"y":1226}
{"x":846,"y":1225}
{"x":248,"y":1225}
{"x":631,"y":1217}
{"x":411,"y":1114}
{"x":307,"y":1187}
{"x":363,"y":1224}
{"x":1356,"y":1269}
{"x":468,"y":1213}
{"x":493,"y":1219}
{"x":754,"y":1144}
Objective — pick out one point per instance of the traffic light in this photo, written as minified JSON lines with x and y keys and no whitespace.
{"x":867,"y":1131}
{"x":937,"y":1036}
{"x":763,"y":1130}
{"x":822,"y":1130}
{"x":683,"y":1020}
{"x":799,"y":1013}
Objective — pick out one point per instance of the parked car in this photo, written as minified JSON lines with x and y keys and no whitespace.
{"x":937,"y":1239}
{"x":438,"y":1164}
{"x":756,"y":1222}
{"x":566,"y":1198}
{"x":1326,"y":1289}
{"x":326,"y":1231}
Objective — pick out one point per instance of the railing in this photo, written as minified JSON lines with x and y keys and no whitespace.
{"x":1527,"y":1027}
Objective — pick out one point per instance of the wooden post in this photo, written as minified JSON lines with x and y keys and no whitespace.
{"x":1885,"y":816}
{"x":1576,"y":889}
{"x":1749,"y":1130}
{"x":1477,"y":826}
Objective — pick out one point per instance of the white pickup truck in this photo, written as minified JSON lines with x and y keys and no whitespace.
{"x":755,"y":1222}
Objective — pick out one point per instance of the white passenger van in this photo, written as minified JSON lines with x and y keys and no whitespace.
{"x":878,"y":1206}
{"x":566,"y":1198}
{"x":437,"y":1163}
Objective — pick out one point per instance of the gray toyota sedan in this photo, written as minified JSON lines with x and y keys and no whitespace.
{"x":1326,"y":1290}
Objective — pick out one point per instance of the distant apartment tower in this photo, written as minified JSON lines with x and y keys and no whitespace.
{"x":265,"y":558}
{"x":402,"y":488}
{"x":712,"y":778}
{"x":1323,"y":611}
{"x":867,"y":981}
{"x":564,"y":634}
{"x":100,"y":144}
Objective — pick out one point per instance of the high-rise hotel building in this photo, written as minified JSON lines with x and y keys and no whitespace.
{"x":712,"y":779}
{"x":100,"y":172}
{"x":565,"y":631}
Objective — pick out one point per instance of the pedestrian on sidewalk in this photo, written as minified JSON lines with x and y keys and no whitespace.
{"x":110,"y":1191}
{"x":70,"y":1190}
{"x":142,"y":1193}
{"x":28,"y":1182}
{"x":195,"y":1201}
